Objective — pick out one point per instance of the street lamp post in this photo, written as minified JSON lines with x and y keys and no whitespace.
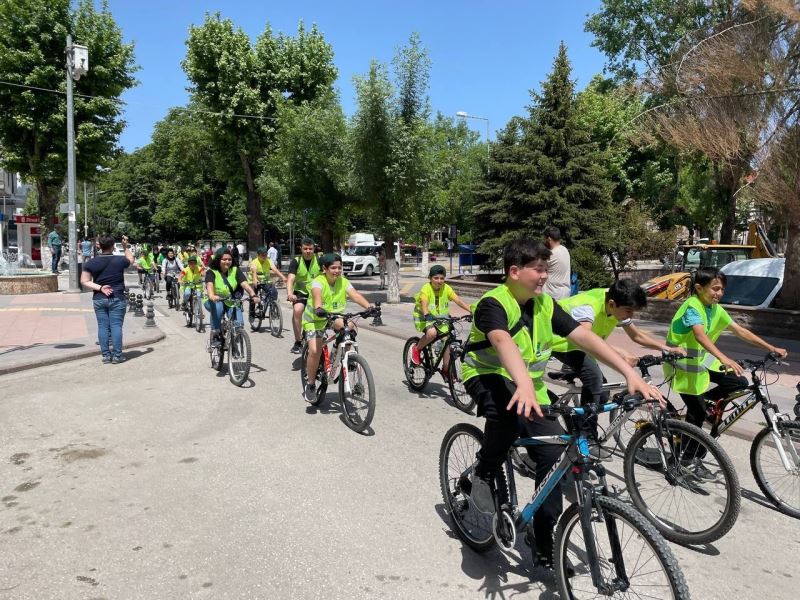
{"x":464,"y":115}
{"x":77,"y":65}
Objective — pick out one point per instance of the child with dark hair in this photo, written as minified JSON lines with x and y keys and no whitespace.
{"x":696,"y":327}
{"x":506,"y":355}
{"x":602,"y":310}
{"x":432,"y":301}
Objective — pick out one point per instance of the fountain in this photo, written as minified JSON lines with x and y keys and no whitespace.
{"x":20,"y":276}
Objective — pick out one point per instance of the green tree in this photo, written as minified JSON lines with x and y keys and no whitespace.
{"x":242,"y":84}
{"x":311,"y":160}
{"x":390,"y":161}
{"x":33,"y":127}
{"x":554,"y":176}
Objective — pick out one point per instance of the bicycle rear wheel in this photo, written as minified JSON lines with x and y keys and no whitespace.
{"x":275,"y":317}
{"x":358,"y":406}
{"x":176,"y":296}
{"x":629,"y":427}
{"x":629,"y":551}
{"x":239,"y":356}
{"x":461,"y":398}
{"x":457,"y":457}
{"x":782,"y":487}
{"x":692,"y":499}
{"x":147,"y":290}
{"x":416,"y":375}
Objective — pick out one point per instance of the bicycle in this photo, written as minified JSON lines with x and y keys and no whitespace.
{"x":149,"y":285}
{"x":173,"y":293}
{"x":234,"y":339}
{"x":268,"y":308}
{"x":600,"y":543}
{"x":432,"y":357}
{"x":347,"y":367}
{"x":193,"y":307}
{"x":663,"y":460}
{"x":775,"y":451}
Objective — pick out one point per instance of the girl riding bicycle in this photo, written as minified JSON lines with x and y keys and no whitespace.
{"x":329,"y":292}
{"x":432,"y":301}
{"x":224,"y":281}
{"x":696,"y":326}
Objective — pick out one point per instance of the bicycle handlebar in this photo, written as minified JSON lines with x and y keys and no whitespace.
{"x":651,"y":360}
{"x":622,"y":400}
{"x":375,"y":311}
{"x":449,"y":320}
{"x":755,"y":365}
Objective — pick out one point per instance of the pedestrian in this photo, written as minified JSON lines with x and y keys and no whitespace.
{"x":234,"y":250}
{"x":558,"y":266}
{"x":272,"y":254}
{"x":86,"y":250}
{"x":381,"y":254}
{"x":105,"y":275}
{"x":54,"y":243}
{"x":449,"y":243}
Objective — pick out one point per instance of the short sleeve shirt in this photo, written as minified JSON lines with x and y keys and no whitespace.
{"x":585,"y":314}
{"x":491,"y":316}
{"x":108,"y":269}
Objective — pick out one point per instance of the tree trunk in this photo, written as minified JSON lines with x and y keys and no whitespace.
{"x":205,"y":212}
{"x":728,"y":225}
{"x":790,"y":293}
{"x":326,"y":239}
{"x":255,"y":228}
{"x":48,"y":200}
{"x":392,"y":271}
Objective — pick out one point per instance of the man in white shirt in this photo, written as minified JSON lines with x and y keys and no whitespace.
{"x":272,"y":254}
{"x":558,"y":267}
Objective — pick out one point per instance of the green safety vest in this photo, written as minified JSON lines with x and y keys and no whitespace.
{"x":263,"y":268}
{"x":303,"y":277}
{"x":220,"y":287}
{"x":437,"y":305}
{"x":691,"y":373}
{"x":603,"y":323}
{"x":190,"y":276}
{"x":534,"y":343}
{"x":147,"y":262}
{"x":334,"y":299}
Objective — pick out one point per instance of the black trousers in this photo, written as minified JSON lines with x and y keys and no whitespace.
{"x":726,"y":384}
{"x":492,"y":394}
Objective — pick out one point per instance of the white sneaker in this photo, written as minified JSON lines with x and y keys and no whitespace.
{"x":310,"y":392}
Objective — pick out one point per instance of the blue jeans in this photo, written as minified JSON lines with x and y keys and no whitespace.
{"x":56,"y":258}
{"x":110,"y":313}
{"x":216,"y":309}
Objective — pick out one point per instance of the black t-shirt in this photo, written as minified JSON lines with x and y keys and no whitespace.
{"x":240,"y":278}
{"x":490,"y":315}
{"x":294,"y":265}
{"x":107,"y":269}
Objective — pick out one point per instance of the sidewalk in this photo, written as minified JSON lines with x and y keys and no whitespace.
{"x":44,"y":329}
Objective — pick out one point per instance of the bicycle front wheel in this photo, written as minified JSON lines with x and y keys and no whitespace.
{"x":358,"y":405}
{"x":780,"y":485}
{"x":683,"y":482}
{"x":188,"y":313}
{"x":633,"y":559}
{"x":275,"y":317}
{"x":629,"y":427}
{"x":416,"y":375}
{"x":239,"y":357}
{"x":457,"y":457}
{"x":458,"y":393}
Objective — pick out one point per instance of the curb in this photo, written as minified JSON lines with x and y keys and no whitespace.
{"x":79,"y":354}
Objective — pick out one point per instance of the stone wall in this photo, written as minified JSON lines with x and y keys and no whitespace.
{"x":28,"y":284}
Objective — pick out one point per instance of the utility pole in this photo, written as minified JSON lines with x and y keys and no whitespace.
{"x":77,"y":65}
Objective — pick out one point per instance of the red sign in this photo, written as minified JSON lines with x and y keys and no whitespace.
{"x":36,"y":230}
{"x":36,"y":219}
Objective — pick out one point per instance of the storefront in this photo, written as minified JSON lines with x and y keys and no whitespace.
{"x":28,"y":233}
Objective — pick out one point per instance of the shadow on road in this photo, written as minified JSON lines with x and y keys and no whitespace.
{"x":493,"y":567}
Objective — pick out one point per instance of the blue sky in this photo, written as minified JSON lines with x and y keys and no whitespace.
{"x":486,"y":56}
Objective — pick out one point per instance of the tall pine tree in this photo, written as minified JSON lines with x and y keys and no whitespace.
{"x":547,"y":171}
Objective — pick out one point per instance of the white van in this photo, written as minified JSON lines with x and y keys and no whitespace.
{"x":361,"y":239}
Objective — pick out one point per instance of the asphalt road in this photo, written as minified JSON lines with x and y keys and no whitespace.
{"x":160,"y":479}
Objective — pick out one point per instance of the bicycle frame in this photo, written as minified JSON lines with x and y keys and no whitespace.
{"x":449,"y":338}
{"x":575,"y":459}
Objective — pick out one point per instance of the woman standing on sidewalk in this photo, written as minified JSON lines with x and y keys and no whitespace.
{"x":105,"y":274}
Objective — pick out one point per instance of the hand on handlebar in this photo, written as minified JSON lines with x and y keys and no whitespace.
{"x":321,"y":312}
{"x":779,"y":352}
{"x":731,"y":365}
{"x":648,"y":392}
{"x":291,"y":298}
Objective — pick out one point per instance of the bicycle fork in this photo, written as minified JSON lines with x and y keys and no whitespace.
{"x":587,"y":494}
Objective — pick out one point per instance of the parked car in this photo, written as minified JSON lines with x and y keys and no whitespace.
{"x":360,"y":260}
{"x":755,"y":282}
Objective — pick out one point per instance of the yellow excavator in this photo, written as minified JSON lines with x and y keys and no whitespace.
{"x":687,"y":258}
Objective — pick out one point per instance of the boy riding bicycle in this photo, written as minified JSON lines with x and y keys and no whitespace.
{"x":432,"y":301}
{"x":602,"y":310}
{"x":506,"y":355}
{"x":260,"y":268}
